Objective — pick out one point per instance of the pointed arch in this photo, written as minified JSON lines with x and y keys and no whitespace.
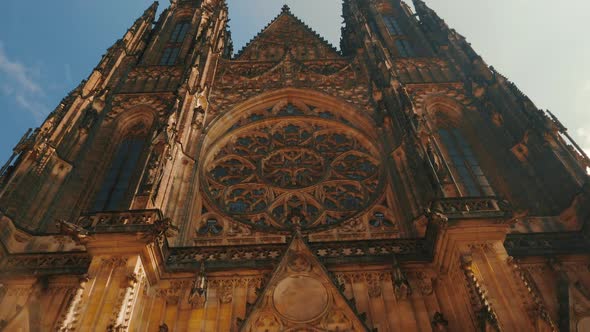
{"x":132,"y":132}
{"x":455,"y":147}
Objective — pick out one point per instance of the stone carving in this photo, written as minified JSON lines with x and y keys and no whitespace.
{"x":439,"y":323}
{"x":470,"y":208}
{"x":252,"y":176}
{"x":299,"y":263}
{"x":374,"y":285}
{"x":74,"y":262}
{"x":161,"y":103}
{"x":77,"y":233}
{"x":401,"y":285}
{"x":487,"y":318}
{"x":127,"y":218}
{"x":530,"y":295}
{"x":302,"y":294}
{"x":337,"y":321}
{"x":293,"y":296}
{"x":225,"y":291}
{"x":546,"y":244}
{"x":422,"y":281}
{"x":267,"y":322}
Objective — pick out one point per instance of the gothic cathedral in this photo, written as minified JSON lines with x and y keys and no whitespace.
{"x":396,"y":184}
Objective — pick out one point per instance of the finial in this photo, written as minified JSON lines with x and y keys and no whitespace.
{"x":286,"y":9}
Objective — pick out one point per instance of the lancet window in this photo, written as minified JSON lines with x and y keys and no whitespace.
{"x":169,"y":56}
{"x":465,"y":164}
{"x":392,"y":26}
{"x":404,"y":48}
{"x":179,"y":32}
{"x":117,"y":186}
{"x":172,"y":50}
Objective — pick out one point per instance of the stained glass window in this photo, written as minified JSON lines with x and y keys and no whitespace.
{"x":169,"y":56}
{"x":179,"y":32}
{"x":464,"y":163}
{"x":117,"y":184}
{"x":392,"y":26}
{"x":404,"y":48}
{"x":294,"y":168}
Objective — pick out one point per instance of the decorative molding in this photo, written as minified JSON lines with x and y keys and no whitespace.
{"x":472,"y":208}
{"x":422,"y":281}
{"x":482,"y":308}
{"x":42,"y":264}
{"x":547,"y":244}
{"x":118,"y":219}
{"x":531,"y":297}
{"x":225,"y":256}
{"x":70,"y":317}
{"x":159,"y":103}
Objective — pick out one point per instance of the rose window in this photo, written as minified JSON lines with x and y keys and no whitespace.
{"x":278,"y":170}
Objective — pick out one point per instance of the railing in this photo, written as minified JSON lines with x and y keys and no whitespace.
{"x":471,"y":207}
{"x":119,"y":218}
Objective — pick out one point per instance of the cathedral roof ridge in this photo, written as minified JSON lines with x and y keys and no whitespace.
{"x":286,"y":11}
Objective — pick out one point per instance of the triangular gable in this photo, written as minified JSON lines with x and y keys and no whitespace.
{"x":301,"y":296}
{"x":287,"y":33}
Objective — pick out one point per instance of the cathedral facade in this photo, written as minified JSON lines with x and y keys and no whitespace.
{"x":396,"y":184}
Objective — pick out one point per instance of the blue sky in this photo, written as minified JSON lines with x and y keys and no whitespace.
{"x":47,"y":47}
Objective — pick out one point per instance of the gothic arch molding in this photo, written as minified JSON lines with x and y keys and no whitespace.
{"x":438,"y":106}
{"x":141,"y":119}
{"x":222,"y":124}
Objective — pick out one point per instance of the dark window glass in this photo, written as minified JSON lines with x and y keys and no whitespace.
{"x":463,"y":161}
{"x":179,"y":32}
{"x":404,"y":48}
{"x":373,"y":27}
{"x":118,"y":181}
{"x":392,"y":26}
{"x":169,"y":56}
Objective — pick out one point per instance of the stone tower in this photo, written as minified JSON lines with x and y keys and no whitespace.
{"x":396,"y":184}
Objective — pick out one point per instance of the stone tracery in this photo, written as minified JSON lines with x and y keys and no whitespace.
{"x":292,"y":165}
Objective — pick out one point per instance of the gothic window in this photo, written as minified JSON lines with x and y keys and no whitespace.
{"x":117,"y":185}
{"x":292,"y":167}
{"x":404,"y":48}
{"x":392,"y":26}
{"x":373,"y":27}
{"x":179,"y":32}
{"x":464,"y":163}
{"x":169,"y":56}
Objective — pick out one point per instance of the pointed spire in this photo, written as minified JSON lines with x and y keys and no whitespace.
{"x":148,"y":17}
{"x":149,"y":14}
{"x":140,"y":26}
{"x":429,"y":16}
{"x":151,"y":10}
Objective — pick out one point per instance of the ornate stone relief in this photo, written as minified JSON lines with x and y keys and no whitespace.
{"x":292,"y":166}
{"x":161,"y":103}
{"x":421,"y":92}
{"x":301,"y":296}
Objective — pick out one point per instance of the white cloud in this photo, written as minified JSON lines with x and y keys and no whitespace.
{"x":18,"y":72}
{"x":37,"y":109}
{"x":19,"y":81}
